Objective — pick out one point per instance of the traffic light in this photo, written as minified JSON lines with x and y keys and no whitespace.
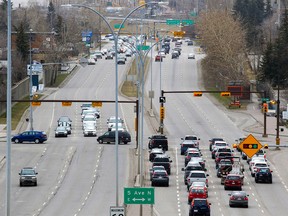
{"x":225,"y":94}
{"x":197,"y":94}
{"x":162,"y":112}
{"x":250,"y":146}
{"x":162,"y":99}
{"x":265,"y":107}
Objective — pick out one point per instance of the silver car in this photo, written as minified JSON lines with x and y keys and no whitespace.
{"x":90,"y":130}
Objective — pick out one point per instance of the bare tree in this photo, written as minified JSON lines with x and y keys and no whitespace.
{"x":224,"y":41}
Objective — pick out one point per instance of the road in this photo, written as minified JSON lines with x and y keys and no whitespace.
{"x":77,"y":175}
{"x":186,"y":114}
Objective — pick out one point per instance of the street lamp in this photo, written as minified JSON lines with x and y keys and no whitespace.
{"x":31,"y":84}
{"x":115,"y":36}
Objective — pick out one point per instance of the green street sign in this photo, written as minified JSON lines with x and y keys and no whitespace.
{"x":117,"y":26}
{"x":139,"y":196}
{"x":193,"y":14}
{"x":188,"y":22}
{"x":143,"y":47}
{"x":172,"y":22}
{"x":265,"y":99}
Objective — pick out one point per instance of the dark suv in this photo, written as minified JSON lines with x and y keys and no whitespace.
{"x":28,"y":176}
{"x":163,"y":160}
{"x":109,"y":136}
{"x":263,"y":175}
{"x":30,"y":136}
{"x":199,"y":207}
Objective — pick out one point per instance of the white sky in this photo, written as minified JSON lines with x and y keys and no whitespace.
{"x":24,"y":3}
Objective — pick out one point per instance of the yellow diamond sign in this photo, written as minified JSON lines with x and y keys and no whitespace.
{"x":250,"y":145}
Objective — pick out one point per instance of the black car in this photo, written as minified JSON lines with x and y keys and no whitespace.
{"x":199,"y":207}
{"x":109,"y":136}
{"x":163,"y":160}
{"x":175,"y":54}
{"x":28,"y":176}
{"x":190,"y":43}
{"x":155,"y":152}
{"x":263,"y":175}
{"x":160,"y":177}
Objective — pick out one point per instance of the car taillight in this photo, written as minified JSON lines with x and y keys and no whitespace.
{"x":188,"y":157}
{"x":246,"y":198}
{"x":232,"y":198}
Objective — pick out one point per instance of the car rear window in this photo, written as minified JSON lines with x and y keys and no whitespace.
{"x":233,"y":177}
{"x":194,"y":168}
{"x":197,"y":175}
{"x":200,"y":202}
{"x":160,"y":159}
{"x":201,"y":191}
{"x":191,"y":138}
{"x":189,"y":145}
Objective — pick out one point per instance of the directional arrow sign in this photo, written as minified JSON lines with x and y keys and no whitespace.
{"x":139,"y":196}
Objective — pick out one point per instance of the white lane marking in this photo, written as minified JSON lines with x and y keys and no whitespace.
{"x":177,"y":183}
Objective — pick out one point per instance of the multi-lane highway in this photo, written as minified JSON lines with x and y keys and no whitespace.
{"x":77,"y":175}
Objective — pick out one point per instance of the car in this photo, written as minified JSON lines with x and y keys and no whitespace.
{"x":218,"y":144}
{"x":91,"y":61}
{"x":158,"y":58}
{"x":191,"y":56}
{"x":200,"y":160}
{"x":199,"y":207}
{"x":263,"y":175}
{"x":158,"y":141}
{"x":191,"y":137}
{"x":65,"y":119}
{"x":191,"y":166}
{"x":177,"y":49}
{"x":98,"y":54}
{"x":200,"y":184}
{"x":85,"y":106}
{"x":223,"y":155}
{"x":178,"y":44}
{"x":185,"y":144}
{"x":66,"y":125}
{"x":30,"y":136}
{"x":109,"y":56}
{"x":225,"y":149}
{"x":28,"y":176}
{"x":189,"y":43}
{"x":238,"y":198}
{"x":121,"y":60}
{"x":160,"y":177}
{"x":191,"y":154}
{"x":163,"y":160}
{"x":196,"y":192}
{"x":89,"y":119}
{"x":92,"y":111}
{"x":233,"y":181}
{"x":258,"y":164}
{"x":155,"y":168}
{"x":61,"y":132}
{"x":174,"y":55}
{"x":122,"y":56}
{"x":120,"y":127}
{"x":211,"y":142}
{"x":109,"y":136}
{"x":196,"y":175}
{"x":89,"y":130}
{"x":153,"y":152}
{"x":224,"y":166}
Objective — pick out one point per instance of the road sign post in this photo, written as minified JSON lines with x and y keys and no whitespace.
{"x":139,"y":196}
{"x":250,"y":145}
{"x":117,"y":211}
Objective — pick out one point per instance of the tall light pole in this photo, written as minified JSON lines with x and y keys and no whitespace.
{"x":115,"y":36}
{"x":31,"y":81}
{"x":8,"y":113}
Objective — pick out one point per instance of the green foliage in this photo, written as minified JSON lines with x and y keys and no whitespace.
{"x":22,"y":40}
{"x":274,"y":67}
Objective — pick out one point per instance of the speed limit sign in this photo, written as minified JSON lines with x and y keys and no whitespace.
{"x":117,"y":211}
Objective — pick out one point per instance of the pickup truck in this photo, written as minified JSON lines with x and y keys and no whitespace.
{"x":199,"y":176}
{"x":158,"y":141}
{"x":163,"y":160}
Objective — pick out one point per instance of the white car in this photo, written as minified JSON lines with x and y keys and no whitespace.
{"x":220,"y":144}
{"x":90,"y":130}
{"x":91,"y":61}
{"x":191,"y":56}
{"x":89,"y":119}
{"x":112,"y":121}
{"x":256,"y":165}
{"x":120,"y":127}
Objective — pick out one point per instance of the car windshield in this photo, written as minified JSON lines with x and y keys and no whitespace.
{"x":194,"y":168}
{"x":89,"y":119}
{"x":201,"y":191}
{"x":190,"y":138}
{"x":159,"y":159}
{"x":200,"y":202}
{"x":27,"y":172}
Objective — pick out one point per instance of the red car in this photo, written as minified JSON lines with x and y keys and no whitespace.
{"x":197,"y":192}
{"x":233,"y":181}
{"x":158,"y":58}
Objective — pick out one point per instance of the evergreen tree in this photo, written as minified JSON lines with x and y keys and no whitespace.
{"x":268,"y":9}
{"x":22,"y":40}
{"x":268,"y":65}
{"x":51,"y":16}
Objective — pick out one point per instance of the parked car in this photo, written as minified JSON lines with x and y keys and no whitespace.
{"x":238,"y":198}
{"x":61,"y":132}
{"x":109,"y":137}
{"x":160,"y":177}
{"x":28,"y":176}
{"x":30,"y":136}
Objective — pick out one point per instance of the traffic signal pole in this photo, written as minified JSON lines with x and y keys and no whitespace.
{"x":265,"y":120}
{"x":161,"y":128}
